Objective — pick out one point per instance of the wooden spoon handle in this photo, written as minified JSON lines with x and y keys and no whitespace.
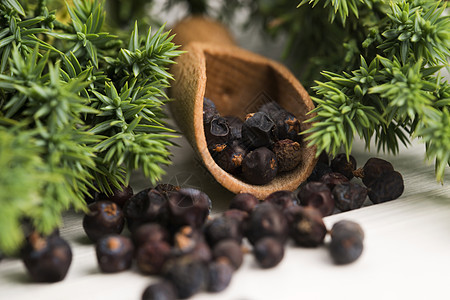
{"x":201,"y":29}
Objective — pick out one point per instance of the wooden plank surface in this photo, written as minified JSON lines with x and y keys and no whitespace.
{"x":406,"y":255}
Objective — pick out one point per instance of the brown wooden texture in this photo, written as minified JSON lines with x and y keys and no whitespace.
{"x":238,"y":81}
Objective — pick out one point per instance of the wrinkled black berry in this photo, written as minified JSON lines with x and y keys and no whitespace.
{"x":104,"y":217}
{"x":333,"y":178}
{"x":258,"y":130}
{"x":230,"y":157}
{"x":114,"y":253}
{"x":188,"y":240}
{"x":221,"y":228}
{"x":235,"y":125}
{"x":349,"y":195}
{"x":244,"y":201}
{"x":268,"y":252}
{"x":288,"y":154}
{"x":306,"y":226}
{"x":231,"y":250}
{"x":340,"y":164}
{"x":163,"y":290}
{"x":147,"y":206}
{"x":266,"y":220}
{"x":282,"y":199}
{"x":259,"y":166}
{"x":346,"y":244}
{"x":219,"y":275}
{"x":188,"y":275}
{"x":287,"y":126}
{"x":119,"y":195}
{"x":319,"y":170}
{"x":372,"y":170}
{"x":188,"y":207}
{"x":151,"y":257}
{"x":217,"y":133}
{"x":271,"y":108}
{"x":149,"y":233}
{"x":387,"y":187}
{"x":317,"y":195}
{"x":240,"y":216}
{"x":209,"y":110}
{"x":47,"y":259}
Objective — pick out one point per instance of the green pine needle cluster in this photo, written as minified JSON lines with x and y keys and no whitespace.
{"x":399,"y":95}
{"x":77,"y":106}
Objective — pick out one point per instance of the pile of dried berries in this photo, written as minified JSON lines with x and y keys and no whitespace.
{"x":173,"y":236}
{"x":329,"y":186}
{"x":266,"y":143}
{"x":171,"y":233}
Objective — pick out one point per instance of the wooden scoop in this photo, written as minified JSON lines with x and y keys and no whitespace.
{"x":239,"y":82}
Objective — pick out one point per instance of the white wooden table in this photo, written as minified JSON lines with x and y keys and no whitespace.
{"x":406,"y":255}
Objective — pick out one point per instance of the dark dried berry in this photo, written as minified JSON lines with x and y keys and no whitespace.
{"x":268,"y":252}
{"x":47,"y":259}
{"x":319,"y":170}
{"x":119,"y":195}
{"x":149,"y":233}
{"x":282,"y":199}
{"x":188,"y":275}
{"x":209,"y":110}
{"x":219,"y":275}
{"x":230,"y":158}
{"x":346,"y":244}
{"x":104,"y":217}
{"x":271,"y":108}
{"x":341,"y":164}
{"x":191,"y":241}
{"x":349,"y":195}
{"x":317,"y":195}
{"x":258,"y":130}
{"x":267,"y":220}
{"x":231,"y":250}
{"x":221,"y":228}
{"x":151,"y":257}
{"x":287,"y":126}
{"x":388,"y":187}
{"x":306,"y":226}
{"x":188,"y":207}
{"x":333,"y":178}
{"x":348,"y":226}
{"x":372,"y":170}
{"x":146,"y":206}
{"x":288,"y":154}
{"x":217,"y":133}
{"x":244,"y":201}
{"x":235,"y":125}
{"x":114,"y":253}
{"x":259,"y":166}
{"x":163,"y":290}
{"x":240,"y":216}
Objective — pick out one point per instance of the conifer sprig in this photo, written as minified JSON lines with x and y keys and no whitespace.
{"x":73,"y":113}
{"x":403,"y":95}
